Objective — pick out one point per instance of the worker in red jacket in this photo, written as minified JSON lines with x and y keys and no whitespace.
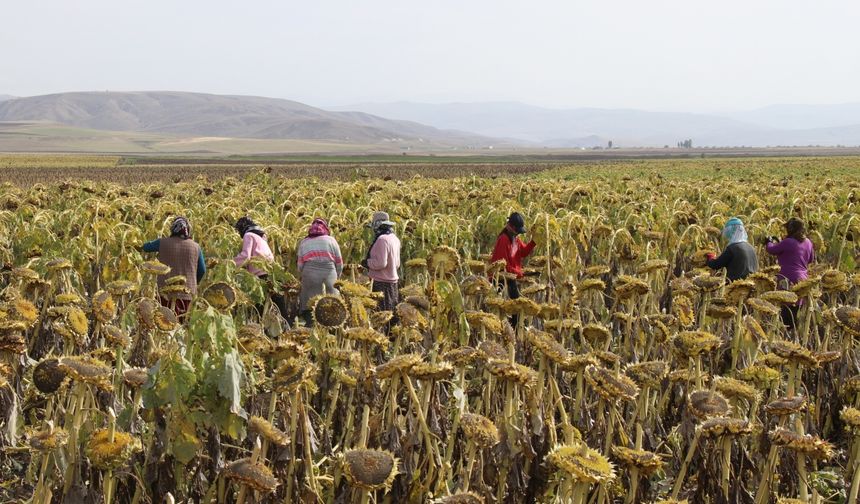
{"x":512,"y":249}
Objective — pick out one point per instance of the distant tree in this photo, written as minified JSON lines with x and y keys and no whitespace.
{"x":609,"y":145}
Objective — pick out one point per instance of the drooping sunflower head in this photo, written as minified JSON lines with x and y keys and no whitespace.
{"x":47,"y":440}
{"x":115,"y":337}
{"x":135,"y":377}
{"x":645,"y":461}
{"x":443,"y":260}
{"x":851,"y":418}
{"x":792,"y":352}
{"x":762,"y":306}
{"x":268,"y":431}
{"x":76,"y":320}
{"x":220,"y":295}
{"x":369,"y":469}
{"x":547,"y":345}
{"x":779,"y":297}
{"x":254,"y":474}
{"x":581,"y":463}
{"x":461,"y":498}
{"x":480,"y":430}
{"x":25,"y":310}
{"x":87,"y":370}
{"x":649,"y":373}
{"x":719,"y":426}
{"x":329,"y":310}
{"x":732,"y":388}
{"x":441,"y":370}
{"x":106,"y":454}
{"x":397,"y":364}
{"x":695,"y":343}
{"x":504,"y":369}
{"x":483,"y":320}
{"x":165,"y":319}
{"x":811,"y":446}
{"x":154,"y":267}
{"x":367,"y":335}
{"x":48,"y":376}
{"x":121,"y":287}
{"x":611,"y":385}
{"x":848,"y":318}
{"x":786,"y":406}
{"x":704,"y":404}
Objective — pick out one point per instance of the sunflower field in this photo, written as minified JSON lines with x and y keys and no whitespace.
{"x":633,"y":374}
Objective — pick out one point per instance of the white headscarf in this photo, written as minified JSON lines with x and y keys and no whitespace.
{"x":734,"y":231}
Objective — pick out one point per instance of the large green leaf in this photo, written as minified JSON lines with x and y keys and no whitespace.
{"x":171,"y":381}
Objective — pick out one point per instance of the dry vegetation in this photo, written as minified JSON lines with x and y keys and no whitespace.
{"x":635,"y":375}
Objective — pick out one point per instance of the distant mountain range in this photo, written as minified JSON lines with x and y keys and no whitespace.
{"x":207,"y":115}
{"x":779,"y":125}
{"x":157,"y":120}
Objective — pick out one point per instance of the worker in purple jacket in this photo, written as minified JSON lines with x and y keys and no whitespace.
{"x":793,"y":253}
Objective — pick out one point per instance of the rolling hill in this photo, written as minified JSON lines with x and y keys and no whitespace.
{"x":207,"y":115}
{"x":585,"y":127}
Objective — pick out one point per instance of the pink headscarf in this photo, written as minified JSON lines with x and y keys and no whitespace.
{"x":319,"y":227}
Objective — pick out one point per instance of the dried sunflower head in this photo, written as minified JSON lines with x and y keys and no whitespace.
{"x":432,"y":371}
{"x":762,"y":306}
{"x":763,"y":281}
{"x":264,"y":428}
{"x":645,"y":461}
{"x":220,"y":295}
{"x":779,"y":297}
{"x":760,"y":374}
{"x":648,"y":374}
{"x":106,"y":454}
{"x":410,"y":316}
{"x":329,"y":310}
{"x":76,"y":320}
{"x":121,"y":287}
{"x":145,"y":310}
{"x":47,"y":440}
{"x":704,"y":404}
{"x":834,"y":281}
{"x":581,"y":463}
{"x":627,"y":287}
{"x":737,"y":291}
{"x":590,"y":284}
{"x":682,"y":308}
{"x":116,"y":337}
{"x":708,"y":283}
{"x":811,"y":446}
{"x":483,"y":320}
{"x":489,"y":349}
{"x":135,"y":377}
{"x":793,"y":352}
{"x":443,"y":260}
{"x":786,"y":406}
{"x":87,"y":370}
{"x":48,"y":376}
{"x":652,"y":265}
{"x":480,"y":430}
{"x":547,"y":345}
{"x":154,"y":267}
{"x":848,"y":318}
{"x":595,"y":333}
{"x":719,"y":426}
{"x":397,"y":364}
{"x":367,"y":335}
{"x":369,"y":469}
{"x":25,"y":310}
{"x":475,"y":285}
{"x":461,"y":498}
{"x":256,"y":475}
{"x":521,"y":305}
{"x":460,"y":356}
{"x":352,"y":289}
{"x":165,"y":319}
{"x":610,"y":385}
{"x":851,"y":418}
{"x":512,"y":371}
{"x":733,"y":388}
{"x":694,"y":343}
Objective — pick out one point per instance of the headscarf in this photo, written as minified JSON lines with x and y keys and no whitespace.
{"x":734,"y":231}
{"x":319,"y":227}
{"x":246,"y":225}
{"x":181,"y":228}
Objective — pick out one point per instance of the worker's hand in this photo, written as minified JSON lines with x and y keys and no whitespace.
{"x":710,"y":256}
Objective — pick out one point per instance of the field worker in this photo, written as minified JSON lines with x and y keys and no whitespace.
{"x":793,"y":253}
{"x":255,"y":245}
{"x":511,"y":249}
{"x":739,"y":257}
{"x":320,"y":264}
{"x":184,"y":256}
{"x":383,"y":260}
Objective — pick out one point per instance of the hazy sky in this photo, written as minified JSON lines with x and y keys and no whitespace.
{"x":652,"y":54}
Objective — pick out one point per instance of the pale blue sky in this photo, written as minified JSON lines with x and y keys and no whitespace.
{"x":667,"y":55}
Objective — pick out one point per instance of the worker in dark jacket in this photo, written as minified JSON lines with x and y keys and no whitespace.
{"x":510,"y":248}
{"x":184,"y":256}
{"x":739,"y":257}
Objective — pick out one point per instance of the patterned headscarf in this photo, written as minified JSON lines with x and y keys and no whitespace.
{"x":246,"y":225}
{"x":181,"y":228}
{"x":319,"y":227}
{"x":734,"y":231}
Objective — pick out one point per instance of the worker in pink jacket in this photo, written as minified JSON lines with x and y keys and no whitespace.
{"x":254,"y":245}
{"x":383,"y":260}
